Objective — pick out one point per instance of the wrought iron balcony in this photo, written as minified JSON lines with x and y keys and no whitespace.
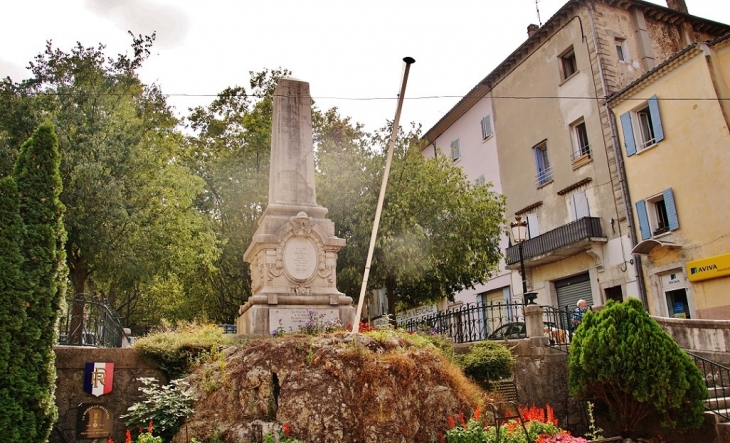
{"x":559,"y":243}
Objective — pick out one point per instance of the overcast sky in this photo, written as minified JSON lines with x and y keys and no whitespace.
{"x":349,"y":51}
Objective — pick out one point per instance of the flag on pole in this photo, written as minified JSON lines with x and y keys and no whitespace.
{"x":98,"y":378}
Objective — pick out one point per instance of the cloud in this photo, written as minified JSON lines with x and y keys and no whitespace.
{"x":12,"y":70}
{"x":144,"y":17}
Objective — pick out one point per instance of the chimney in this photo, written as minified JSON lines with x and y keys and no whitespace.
{"x":678,"y":5}
{"x":532,"y":29}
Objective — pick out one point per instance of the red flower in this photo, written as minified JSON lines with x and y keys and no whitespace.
{"x":110,"y":440}
{"x":287,"y":429}
{"x":551,"y":415}
{"x":461,"y":420}
{"x":450,"y":421}
{"x":478,"y":413}
{"x":149,"y":427}
{"x":441,"y":438}
{"x":129,"y":437}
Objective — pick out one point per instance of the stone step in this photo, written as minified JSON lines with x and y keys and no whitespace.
{"x":719,"y":391}
{"x":723,"y":411}
{"x":714,"y":403}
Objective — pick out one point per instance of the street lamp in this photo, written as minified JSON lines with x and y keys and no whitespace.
{"x":519,"y":235}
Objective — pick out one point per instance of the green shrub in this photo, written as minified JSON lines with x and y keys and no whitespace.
{"x":43,"y":271}
{"x":16,"y":422}
{"x":166,"y":407}
{"x":176,"y":351}
{"x":487,"y":361}
{"x":621,"y":356}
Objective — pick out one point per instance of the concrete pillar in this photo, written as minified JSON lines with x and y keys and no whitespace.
{"x":533,"y":321}
{"x":646,"y":54}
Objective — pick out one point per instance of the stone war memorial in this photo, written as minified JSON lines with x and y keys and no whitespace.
{"x":293,"y":254}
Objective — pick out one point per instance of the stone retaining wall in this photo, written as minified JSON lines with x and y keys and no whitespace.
{"x":70,"y":366}
{"x":707,"y":338}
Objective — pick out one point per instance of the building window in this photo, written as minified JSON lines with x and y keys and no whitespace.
{"x":642,"y":127}
{"x":657,"y":215}
{"x":486,"y":127}
{"x":622,"y":50}
{"x":580,"y":140}
{"x":568,"y":63}
{"x":455,"y":152}
{"x":544,"y":171}
{"x":480,"y":181}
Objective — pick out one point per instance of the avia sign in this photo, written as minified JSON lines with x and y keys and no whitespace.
{"x":707,"y":268}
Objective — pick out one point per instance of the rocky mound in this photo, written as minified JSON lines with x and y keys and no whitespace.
{"x":335,"y":388}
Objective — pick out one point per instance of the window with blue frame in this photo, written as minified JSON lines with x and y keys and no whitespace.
{"x":642,"y":127}
{"x":657,"y":215}
{"x":542,"y":163}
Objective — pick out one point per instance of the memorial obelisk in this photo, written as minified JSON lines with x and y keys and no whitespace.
{"x":293,"y":254}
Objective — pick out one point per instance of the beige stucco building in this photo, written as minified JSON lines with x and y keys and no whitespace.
{"x":555,"y":141}
{"x":673,"y":125}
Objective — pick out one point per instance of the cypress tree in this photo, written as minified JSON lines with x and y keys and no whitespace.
{"x":15,"y":420}
{"x":621,"y":357}
{"x":39,"y":186}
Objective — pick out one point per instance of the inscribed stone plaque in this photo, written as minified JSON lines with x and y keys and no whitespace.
{"x":294,"y":319}
{"x":300,"y":258}
{"x":94,"y":421}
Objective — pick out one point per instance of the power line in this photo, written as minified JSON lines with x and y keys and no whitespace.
{"x":425,"y":97}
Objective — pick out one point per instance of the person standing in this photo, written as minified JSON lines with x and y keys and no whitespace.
{"x":579,"y":312}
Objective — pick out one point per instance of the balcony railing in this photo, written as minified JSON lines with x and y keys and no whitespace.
{"x":566,"y":235}
{"x":544,"y":176}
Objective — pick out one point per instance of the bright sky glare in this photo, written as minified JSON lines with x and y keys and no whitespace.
{"x":349,"y":51}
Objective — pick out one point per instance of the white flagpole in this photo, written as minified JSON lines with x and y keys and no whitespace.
{"x":396,"y":122}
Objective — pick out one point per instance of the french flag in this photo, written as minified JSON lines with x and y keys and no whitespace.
{"x":98,"y":378}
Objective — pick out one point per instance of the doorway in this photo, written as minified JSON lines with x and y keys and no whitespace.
{"x":674,"y":288}
{"x":677,"y":303}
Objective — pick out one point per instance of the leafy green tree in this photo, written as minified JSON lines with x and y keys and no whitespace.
{"x":230,"y":152}
{"x":621,"y":357}
{"x":15,"y":421}
{"x":132,"y":224}
{"x":38,"y":180}
{"x":439,"y":233}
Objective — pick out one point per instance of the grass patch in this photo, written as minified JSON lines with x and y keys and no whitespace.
{"x":178,"y":350}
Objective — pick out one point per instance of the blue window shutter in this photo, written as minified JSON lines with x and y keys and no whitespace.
{"x":540,"y":166}
{"x":643,"y":219}
{"x":628,"y":134}
{"x":672,"y":218}
{"x":656,"y":121}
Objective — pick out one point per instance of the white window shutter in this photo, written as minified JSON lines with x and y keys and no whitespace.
{"x":580,"y":205}
{"x":533,"y":228}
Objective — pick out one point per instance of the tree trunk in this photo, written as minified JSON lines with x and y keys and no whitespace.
{"x":79,"y":274}
{"x":390,"y":291}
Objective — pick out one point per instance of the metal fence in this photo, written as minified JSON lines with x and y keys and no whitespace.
{"x":558,"y":326}
{"x":98,"y":325}
{"x":717,"y":381}
{"x":473,"y":322}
